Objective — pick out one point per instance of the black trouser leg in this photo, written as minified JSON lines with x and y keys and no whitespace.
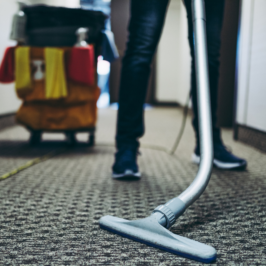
{"x":146,"y":23}
{"x":145,"y":27}
{"x":214,"y":21}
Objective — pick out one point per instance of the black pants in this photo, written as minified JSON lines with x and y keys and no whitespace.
{"x":145,"y":27}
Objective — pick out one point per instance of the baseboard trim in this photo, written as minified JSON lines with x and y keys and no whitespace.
{"x":7,"y":120}
{"x":165,"y":104}
{"x":251,"y":136}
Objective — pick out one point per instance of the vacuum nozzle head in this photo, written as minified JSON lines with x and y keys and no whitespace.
{"x":150,"y":232}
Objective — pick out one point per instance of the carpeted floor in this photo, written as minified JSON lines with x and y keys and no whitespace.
{"x":49,"y":212}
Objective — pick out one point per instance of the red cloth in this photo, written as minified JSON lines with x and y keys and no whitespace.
{"x":81,"y":65}
{"x":7,"y":68}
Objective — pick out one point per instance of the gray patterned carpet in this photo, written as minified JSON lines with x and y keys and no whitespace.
{"x":49,"y":212}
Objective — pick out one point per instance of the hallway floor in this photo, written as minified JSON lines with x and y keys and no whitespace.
{"x":49,"y":212}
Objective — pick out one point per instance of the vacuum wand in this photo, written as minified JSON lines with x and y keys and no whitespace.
{"x":177,"y":206}
{"x":153,"y":229}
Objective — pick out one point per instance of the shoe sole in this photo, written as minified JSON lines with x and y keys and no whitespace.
{"x":127,"y":174}
{"x":220,"y":165}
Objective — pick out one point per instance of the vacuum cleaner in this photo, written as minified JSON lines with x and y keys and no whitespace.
{"x":153,"y":230}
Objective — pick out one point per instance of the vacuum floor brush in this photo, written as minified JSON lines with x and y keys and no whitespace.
{"x":153,"y":230}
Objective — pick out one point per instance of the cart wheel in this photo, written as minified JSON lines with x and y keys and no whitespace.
{"x":71,"y":138}
{"x":91,"y":140}
{"x":35,"y":137}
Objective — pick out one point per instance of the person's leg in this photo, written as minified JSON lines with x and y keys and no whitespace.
{"x":146,"y":23}
{"x":214,"y":20}
{"x":145,"y":27}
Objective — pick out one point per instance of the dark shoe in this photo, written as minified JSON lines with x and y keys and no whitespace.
{"x":126,"y":163}
{"x":223,"y":159}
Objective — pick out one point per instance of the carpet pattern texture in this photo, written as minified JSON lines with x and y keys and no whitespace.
{"x":49,"y":212}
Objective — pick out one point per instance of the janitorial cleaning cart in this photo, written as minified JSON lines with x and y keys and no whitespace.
{"x":54,"y":67}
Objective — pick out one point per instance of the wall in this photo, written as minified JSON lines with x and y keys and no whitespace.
{"x":9,"y":102}
{"x":173,"y":60}
{"x":251,"y":93}
{"x":173,"y":57}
